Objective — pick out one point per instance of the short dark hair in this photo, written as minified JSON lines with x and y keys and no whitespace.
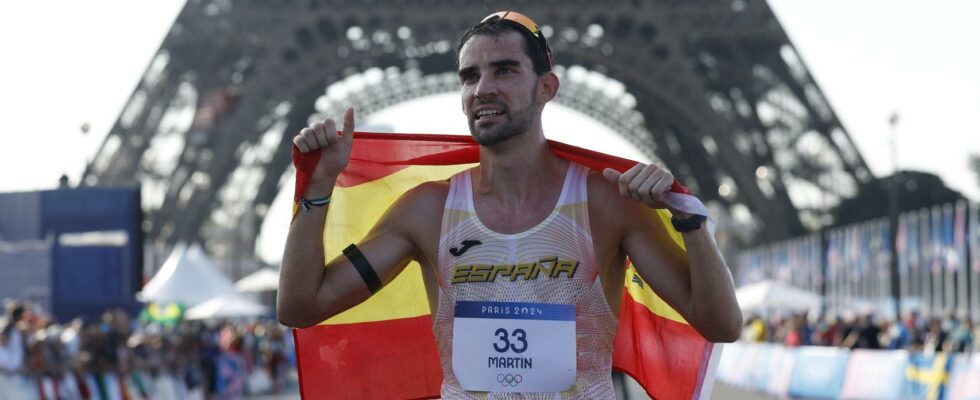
{"x":536,"y":47}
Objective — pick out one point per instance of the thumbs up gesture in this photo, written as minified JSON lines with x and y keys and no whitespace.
{"x":334,"y":148}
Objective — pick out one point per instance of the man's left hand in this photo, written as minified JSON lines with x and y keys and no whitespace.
{"x":647,"y":184}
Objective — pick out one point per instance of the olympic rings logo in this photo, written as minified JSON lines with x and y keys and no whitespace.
{"x":509,"y":380}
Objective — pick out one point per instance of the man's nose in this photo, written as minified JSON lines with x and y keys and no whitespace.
{"x":485,"y":87}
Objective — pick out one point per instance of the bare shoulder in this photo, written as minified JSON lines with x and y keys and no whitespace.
{"x":415,"y":217}
{"x":418,"y":215}
{"x":428,"y":196}
{"x":601,"y":190}
{"x":421,"y":203}
{"x":607,"y":205}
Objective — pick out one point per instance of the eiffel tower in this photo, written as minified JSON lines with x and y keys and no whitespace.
{"x":713,"y":89}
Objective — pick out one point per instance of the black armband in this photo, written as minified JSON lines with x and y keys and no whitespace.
{"x":364,"y":268}
{"x":689,"y":224}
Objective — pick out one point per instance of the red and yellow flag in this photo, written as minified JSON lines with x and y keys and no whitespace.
{"x":384,"y":348}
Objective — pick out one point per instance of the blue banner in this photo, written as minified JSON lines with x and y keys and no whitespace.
{"x":819,"y":372}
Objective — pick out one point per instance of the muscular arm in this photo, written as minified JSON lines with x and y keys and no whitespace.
{"x":310,"y":289}
{"x":702,"y":291}
{"x":699,"y":287}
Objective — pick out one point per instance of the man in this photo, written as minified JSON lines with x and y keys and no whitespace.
{"x":523,"y":256}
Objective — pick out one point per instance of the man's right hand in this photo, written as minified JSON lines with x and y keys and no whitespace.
{"x":334,"y":151}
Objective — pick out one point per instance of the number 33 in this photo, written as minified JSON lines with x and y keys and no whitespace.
{"x":518,"y":335}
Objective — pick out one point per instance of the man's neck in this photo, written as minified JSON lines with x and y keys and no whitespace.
{"x":518,"y":171}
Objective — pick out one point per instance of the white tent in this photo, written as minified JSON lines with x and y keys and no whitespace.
{"x":187,"y":277}
{"x":263,"y":280}
{"x":775,"y":296}
{"x":231,"y":305}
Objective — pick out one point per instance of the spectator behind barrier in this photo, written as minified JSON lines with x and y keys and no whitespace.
{"x":115,"y":358}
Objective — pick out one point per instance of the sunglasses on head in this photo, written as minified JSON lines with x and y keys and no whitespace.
{"x":519,"y":18}
{"x":525,"y":22}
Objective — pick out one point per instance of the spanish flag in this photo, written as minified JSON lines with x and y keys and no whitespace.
{"x":384,"y":348}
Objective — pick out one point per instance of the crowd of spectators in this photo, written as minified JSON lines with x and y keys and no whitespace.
{"x":117,"y":357}
{"x":914,"y":332}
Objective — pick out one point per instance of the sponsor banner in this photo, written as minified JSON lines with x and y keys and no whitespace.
{"x":964,"y":380}
{"x":769,"y":369}
{"x":830,"y":373}
{"x":741,"y":375}
{"x":782,"y":362}
{"x":819,"y":372}
{"x":875,"y":374}
{"x":731,"y":362}
{"x":759,"y":372}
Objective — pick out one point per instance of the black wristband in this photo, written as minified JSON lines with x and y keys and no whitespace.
{"x":364,"y":268}
{"x":307,"y":203}
{"x":691,"y":223}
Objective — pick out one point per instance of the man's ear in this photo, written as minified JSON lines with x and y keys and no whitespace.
{"x":548,"y":87}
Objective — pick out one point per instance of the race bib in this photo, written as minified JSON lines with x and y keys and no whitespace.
{"x":514,"y":347}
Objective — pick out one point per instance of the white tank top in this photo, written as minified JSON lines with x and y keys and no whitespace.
{"x":564,"y":234}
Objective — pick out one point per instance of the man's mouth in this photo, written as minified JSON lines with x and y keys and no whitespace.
{"x":487,"y":114}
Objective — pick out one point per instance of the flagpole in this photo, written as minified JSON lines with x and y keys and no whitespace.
{"x":936,"y":232}
{"x":959,"y":247}
{"x":893,"y":216}
{"x":925,"y":249}
{"x":902,"y":259}
{"x":949,"y":226}
{"x":882,"y":278}
{"x":864,"y":261}
{"x":974,"y":257}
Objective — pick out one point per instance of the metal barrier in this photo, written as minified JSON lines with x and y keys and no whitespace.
{"x":833,"y":373}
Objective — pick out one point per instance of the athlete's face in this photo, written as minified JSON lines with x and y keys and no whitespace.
{"x":499,"y":87}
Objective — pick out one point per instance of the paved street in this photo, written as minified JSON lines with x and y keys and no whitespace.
{"x":726,"y":392}
{"x":721,"y":392}
{"x":633,"y":392}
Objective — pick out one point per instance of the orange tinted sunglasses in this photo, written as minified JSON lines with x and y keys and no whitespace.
{"x":527,"y":23}
{"x":519,"y":18}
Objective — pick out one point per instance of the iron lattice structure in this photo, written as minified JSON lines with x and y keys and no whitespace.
{"x":713,"y":89}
